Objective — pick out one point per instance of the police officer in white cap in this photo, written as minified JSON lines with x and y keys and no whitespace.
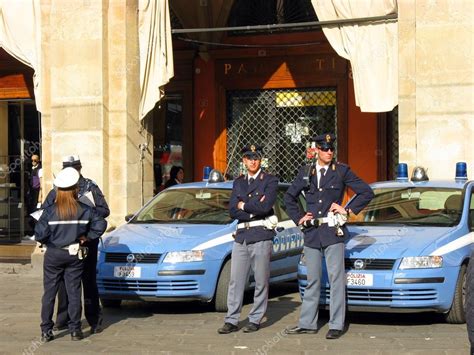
{"x":63,"y":227}
{"x":92,"y":308}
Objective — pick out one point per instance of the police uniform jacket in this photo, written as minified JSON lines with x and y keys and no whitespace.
{"x":57,"y":233}
{"x":254,"y":209}
{"x":319,"y":200}
{"x":85,"y":185}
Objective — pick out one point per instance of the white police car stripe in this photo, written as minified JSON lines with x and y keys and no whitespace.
{"x":68,"y":222}
{"x":228,"y":237}
{"x":455,"y":244}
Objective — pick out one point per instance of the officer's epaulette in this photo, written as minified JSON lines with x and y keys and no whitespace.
{"x":341,"y":164}
{"x":91,"y":182}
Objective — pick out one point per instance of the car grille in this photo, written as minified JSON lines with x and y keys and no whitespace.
{"x":140,"y":258}
{"x":385,"y":295}
{"x":147,"y":285}
{"x":371,"y":264}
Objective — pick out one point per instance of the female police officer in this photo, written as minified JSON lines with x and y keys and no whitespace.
{"x":62,"y":227}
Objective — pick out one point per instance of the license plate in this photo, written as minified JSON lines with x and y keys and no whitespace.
{"x":354,"y":279}
{"x":127,"y":271}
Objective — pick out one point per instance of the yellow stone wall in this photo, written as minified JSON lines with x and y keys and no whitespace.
{"x":436,"y":85}
{"x":91,"y":95}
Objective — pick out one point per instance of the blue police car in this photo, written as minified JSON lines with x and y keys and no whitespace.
{"x":178,"y":247}
{"x":408,"y":250}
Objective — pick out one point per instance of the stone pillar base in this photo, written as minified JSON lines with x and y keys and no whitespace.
{"x":37,"y":258}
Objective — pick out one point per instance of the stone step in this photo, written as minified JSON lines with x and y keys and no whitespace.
{"x":17,"y":253}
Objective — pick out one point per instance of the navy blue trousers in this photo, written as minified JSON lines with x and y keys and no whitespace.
{"x":92,"y":308}
{"x":59,"y":267}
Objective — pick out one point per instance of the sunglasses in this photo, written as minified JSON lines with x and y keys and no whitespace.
{"x":327,"y":149}
{"x":35,"y":160}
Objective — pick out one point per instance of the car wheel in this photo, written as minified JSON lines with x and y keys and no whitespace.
{"x":456,"y":314}
{"x":110,"y":303}
{"x":220,"y":300}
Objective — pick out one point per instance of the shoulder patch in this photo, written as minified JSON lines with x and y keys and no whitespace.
{"x":90,"y":181}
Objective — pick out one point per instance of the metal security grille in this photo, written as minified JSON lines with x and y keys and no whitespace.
{"x":282,"y":121}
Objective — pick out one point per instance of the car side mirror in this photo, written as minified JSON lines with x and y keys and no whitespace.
{"x":128,"y":217}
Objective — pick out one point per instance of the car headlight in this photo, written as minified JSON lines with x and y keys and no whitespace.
{"x":421,"y":262}
{"x":184,"y":256}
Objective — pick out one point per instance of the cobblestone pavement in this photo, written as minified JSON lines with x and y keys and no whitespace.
{"x":183,"y":328}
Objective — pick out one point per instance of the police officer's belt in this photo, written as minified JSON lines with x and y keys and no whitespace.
{"x":269,"y":222}
{"x":246,"y":225}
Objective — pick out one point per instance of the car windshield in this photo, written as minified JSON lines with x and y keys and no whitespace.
{"x":191,"y":206}
{"x":424,"y":206}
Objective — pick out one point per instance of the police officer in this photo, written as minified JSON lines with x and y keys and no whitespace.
{"x":251,"y":203}
{"x":323,"y":184}
{"x":62,"y":227}
{"x":92,"y":310}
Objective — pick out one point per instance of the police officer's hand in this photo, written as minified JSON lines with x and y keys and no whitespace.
{"x":337,"y":208}
{"x":82,"y":240}
{"x":240,"y":205}
{"x":308,"y":216}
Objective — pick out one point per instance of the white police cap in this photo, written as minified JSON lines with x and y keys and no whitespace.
{"x":71,"y":160}
{"x":67,"y":177}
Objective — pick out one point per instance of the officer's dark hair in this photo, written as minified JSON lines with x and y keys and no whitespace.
{"x":66,"y":202}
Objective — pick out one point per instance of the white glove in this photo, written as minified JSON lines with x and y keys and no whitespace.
{"x":270,"y":222}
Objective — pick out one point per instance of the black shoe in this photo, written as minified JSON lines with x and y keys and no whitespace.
{"x":334,"y":334}
{"x":77,"y":335}
{"x":228,"y":328}
{"x":59,"y":327}
{"x":45,"y":337}
{"x":97,"y":328}
{"x":251,"y":327}
{"x":298,"y":330}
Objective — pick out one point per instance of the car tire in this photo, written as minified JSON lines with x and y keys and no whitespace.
{"x":220,"y":299}
{"x":110,"y":303}
{"x":457,"y":313}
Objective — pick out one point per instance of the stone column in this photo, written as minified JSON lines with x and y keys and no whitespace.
{"x":436,"y":85}
{"x":91,"y":92}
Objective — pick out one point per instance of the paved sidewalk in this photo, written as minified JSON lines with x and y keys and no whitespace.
{"x":184,"y":328}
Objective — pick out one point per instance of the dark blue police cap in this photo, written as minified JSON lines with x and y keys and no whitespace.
{"x":252,"y":151}
{"x":325,"y":140}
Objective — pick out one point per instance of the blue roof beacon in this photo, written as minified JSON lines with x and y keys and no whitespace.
{"x":408,"y":250}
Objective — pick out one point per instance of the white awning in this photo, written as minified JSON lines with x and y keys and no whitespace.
{"x":20,"y":36}
{"x":371,"y":48}
{"x":156,"y":52}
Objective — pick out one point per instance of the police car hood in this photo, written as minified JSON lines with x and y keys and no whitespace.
{"x":393,"y":242}
{"x":160,"y":238}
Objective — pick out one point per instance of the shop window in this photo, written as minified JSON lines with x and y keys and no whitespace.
{"x":168,"y":138}
{"x":269,"y":12}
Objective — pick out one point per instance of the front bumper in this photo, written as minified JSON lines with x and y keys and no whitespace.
{"x":161,"y":281}
{"x":395,"y":290}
